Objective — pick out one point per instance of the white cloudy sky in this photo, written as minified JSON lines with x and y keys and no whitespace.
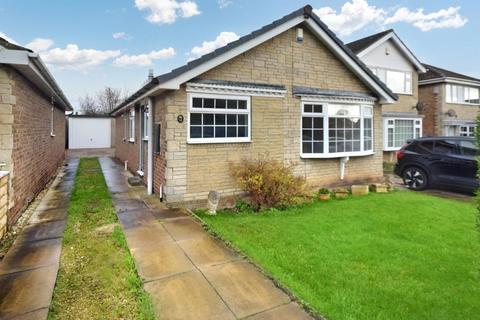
{"x":90,"y":44}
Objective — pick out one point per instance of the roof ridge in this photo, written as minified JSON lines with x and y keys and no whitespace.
{"x":306,"y":12}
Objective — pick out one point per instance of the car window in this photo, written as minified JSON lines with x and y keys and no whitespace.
{"x":446,"y":147}
{"x":468,"y":148}
{"x":423,"y":147}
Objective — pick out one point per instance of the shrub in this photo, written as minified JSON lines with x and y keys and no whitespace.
{"x":323,"y":191}
{"x":269,"y":183}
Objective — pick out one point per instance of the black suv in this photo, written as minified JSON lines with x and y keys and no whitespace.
{"x":443,"y":162}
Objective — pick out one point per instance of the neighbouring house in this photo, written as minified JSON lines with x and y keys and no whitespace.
{"x":291,"y":89}
{"x":393,"y":63}
{"x":32,"y":125}
{"x":451,"y":102}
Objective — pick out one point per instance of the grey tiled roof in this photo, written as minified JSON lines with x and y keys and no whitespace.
{"x":361,"y":44}
{"x":331,"y":93}
{"x":306,"y":12}
{"x":248,"y":85}
{"x":434,"y":73}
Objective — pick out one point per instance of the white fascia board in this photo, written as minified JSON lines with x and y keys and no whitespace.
{"x":385,"y":97}
{"x":400,"y":45}
{"x":451,"y":80}
{"x":15,"y":57}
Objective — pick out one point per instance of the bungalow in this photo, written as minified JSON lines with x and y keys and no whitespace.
{"x":393,"y":63}
{"x":451,"y":102}
{"x":291,"y":89}
{"x":32,"y":128}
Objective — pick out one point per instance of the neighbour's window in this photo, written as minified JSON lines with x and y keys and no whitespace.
{"x":131,"y":126}
{"x":145,"y":116}
{"x":336,"y":129}
{"x":468,"y":148}
{"x":400,"y":130}
{"x":397,"y":81}
{"x":467,"y":131}
{"x":219,"y":119}
{"x":462,"y":94}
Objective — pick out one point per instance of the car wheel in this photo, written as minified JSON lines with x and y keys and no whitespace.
{"x":415,"y":178}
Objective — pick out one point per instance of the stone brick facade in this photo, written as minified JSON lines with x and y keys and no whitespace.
{"x":28,"y":149}
{"x":189,"y":171}
{"x":3,"y":202}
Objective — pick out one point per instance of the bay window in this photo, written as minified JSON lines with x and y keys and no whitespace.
{"x":218,"y":119}
{"x":397,"y":81}
{"x":398,"y":131}
{"x":462,"y":94}
{"x":332,"y":130}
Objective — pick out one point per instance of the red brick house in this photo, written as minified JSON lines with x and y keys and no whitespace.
{"x":32,"y":126}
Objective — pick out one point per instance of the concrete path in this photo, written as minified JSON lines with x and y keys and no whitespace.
{"x":188,"y":273}
{"x":29,"y":269}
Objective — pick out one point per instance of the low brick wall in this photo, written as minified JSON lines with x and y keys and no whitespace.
{"x":3,"y":202}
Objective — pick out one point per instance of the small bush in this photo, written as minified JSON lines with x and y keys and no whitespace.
{"x":269,"y":183}
{"x":323,"y":191}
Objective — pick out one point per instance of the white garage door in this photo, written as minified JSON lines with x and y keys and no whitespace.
{"x":89,"y":133}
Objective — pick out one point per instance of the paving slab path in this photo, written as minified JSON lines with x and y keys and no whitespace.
{"x":188,"y":273}
{"x":29,"y":269}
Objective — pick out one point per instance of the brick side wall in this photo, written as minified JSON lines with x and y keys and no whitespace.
{"x":7,"y":101}
{"x":429,"y":95}
{"x":124,"y":149}
{"x":193,"y":170}
{"x":3,"y":202}
{"x":36,"y":154}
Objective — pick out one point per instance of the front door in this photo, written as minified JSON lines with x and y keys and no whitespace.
{"x":144,"y":139}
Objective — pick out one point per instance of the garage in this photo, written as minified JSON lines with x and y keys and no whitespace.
{"x":89,"y":132}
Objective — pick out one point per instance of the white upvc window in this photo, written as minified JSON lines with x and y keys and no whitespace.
{"x":131,"y":125}
{"x":218,"y":118}
{"x":467,"y":130}
{"x":334,"y":130}
{"x":145,"y":115}
{"x":462,"y":94}
{"x":396,"y":80}
{"x":398,"y":130}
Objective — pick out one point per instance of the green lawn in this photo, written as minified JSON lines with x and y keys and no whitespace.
{"x":97,"y":277}
{"x":402,"y":255}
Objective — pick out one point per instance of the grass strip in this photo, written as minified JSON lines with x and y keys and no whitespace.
{"x":97,"y":277}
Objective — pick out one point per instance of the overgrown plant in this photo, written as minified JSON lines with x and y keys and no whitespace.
{"x":269,"y":183}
